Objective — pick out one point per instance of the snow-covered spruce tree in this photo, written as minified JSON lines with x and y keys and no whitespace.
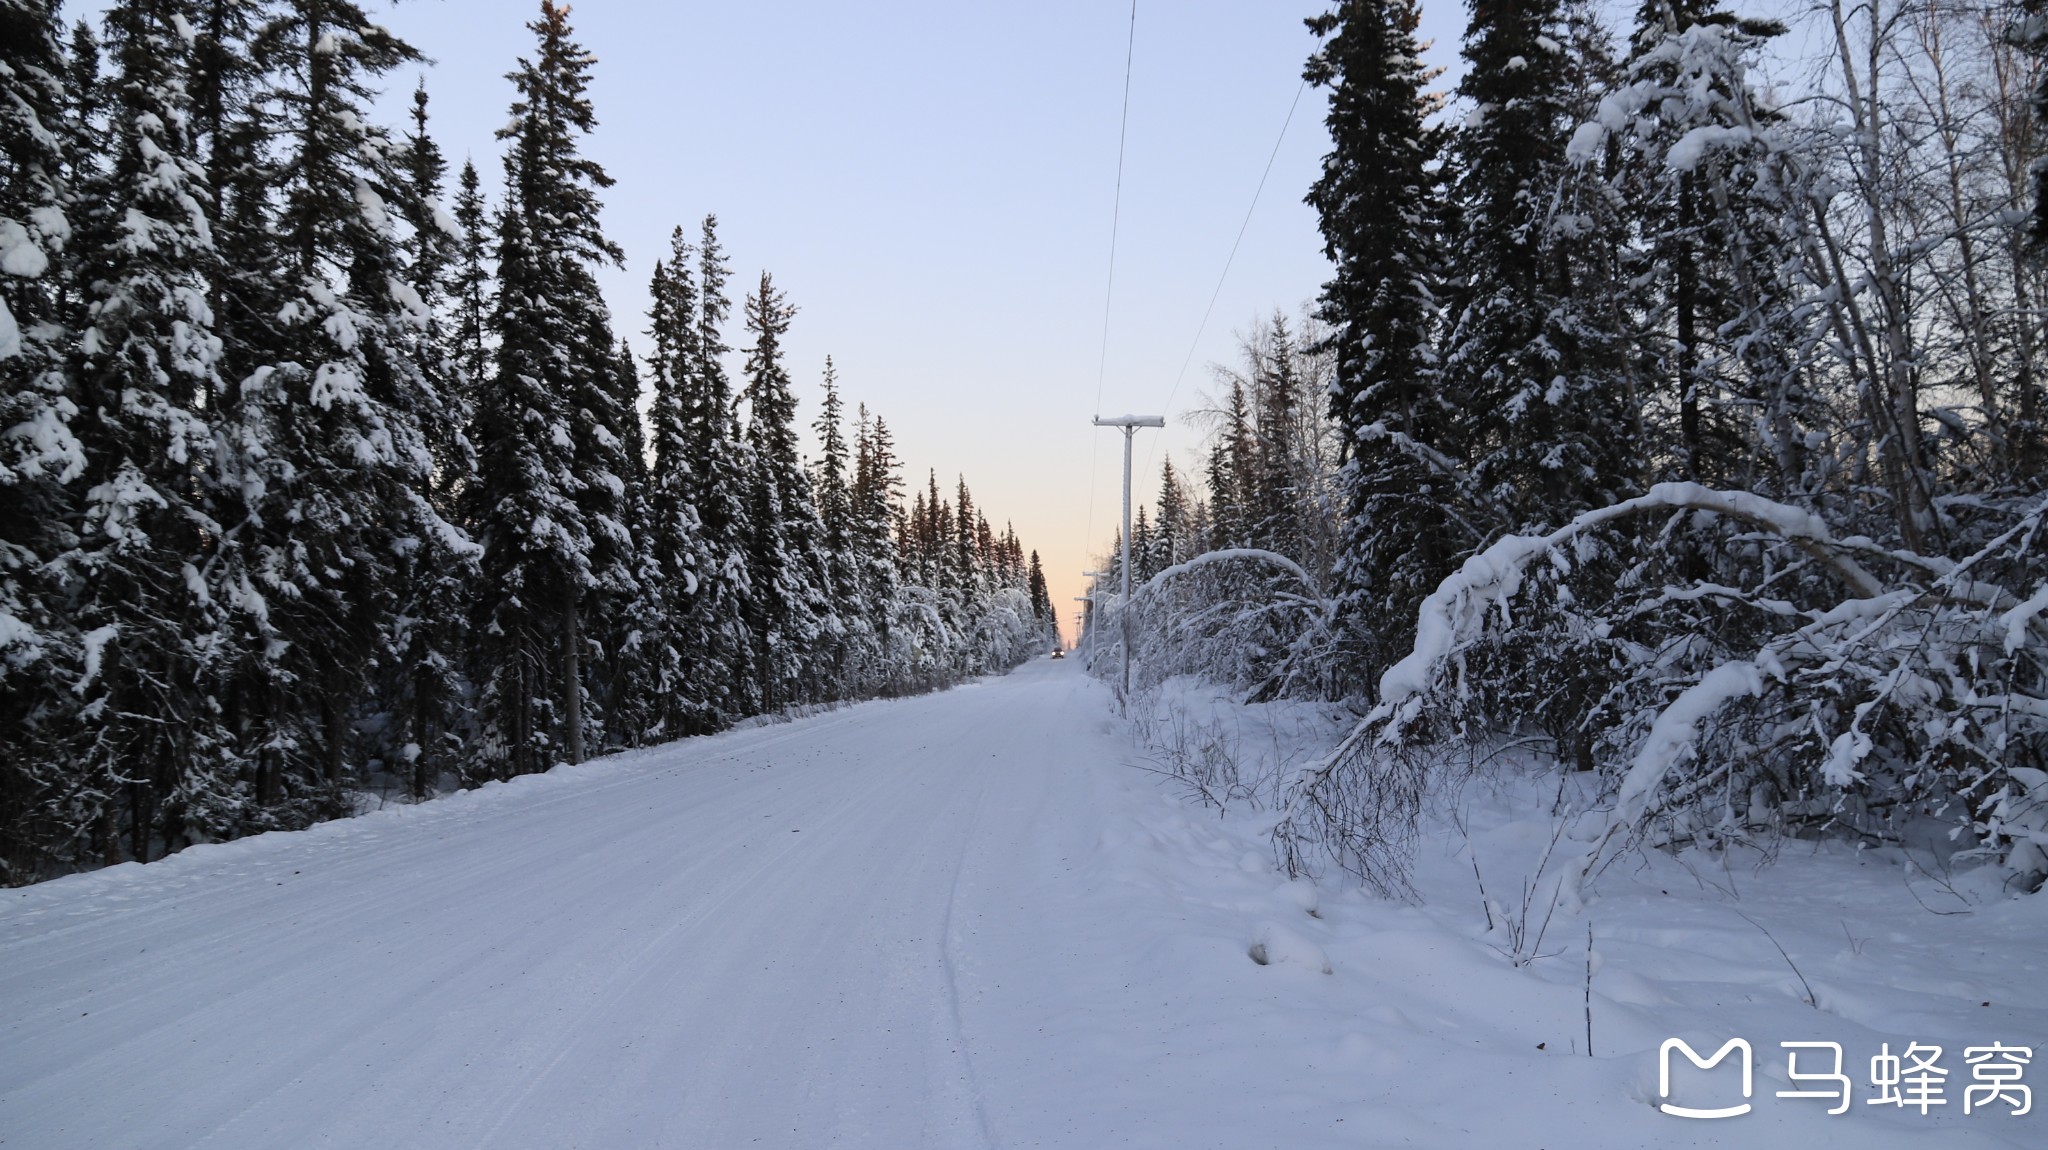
{"x":548,"y":541}
{"x":1722,"y":318}
{"x":1170,"y":542}
{"x":1275,"y":521}
{"x":434,"y":242}
{"x":1376,"y":203}
{"x":1010,"y":556}
{"x":84,"y":136}
{"x":609,"y":473}
{"x":962,"y":572}
{"x":1144,"y":560}
{"x":1232,"y":461}
{"x":1745,"y":311}
{"x":1041,"y":603}
{"x":966,"y":593}
{"x":876,"y":495}
{"x":40,"y":457}
{"x":788,"y":612}
{"x":684,"y":701}
{"x":1722,"y":200}
{"x":847,"y":646}
{"x":234,"y":129}
{"x":471,"y":297}
{"x":1537,"y":352}
{"x":424,"y":689}
{"x":145,"y":598}
{"x":1534,"y":360}
{"x":636,"y":663}
{"x":925,"y":606}
{"x":932,"y":531}
{"x":1680,"y":263}
{"x":332,"y":455}
{"x":718,"y":640}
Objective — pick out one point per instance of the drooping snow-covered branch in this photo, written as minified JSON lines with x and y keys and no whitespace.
{"x":1457,"y":608}
{"x":1869,"y":697}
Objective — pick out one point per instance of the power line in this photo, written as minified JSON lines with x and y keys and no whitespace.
{"x":1241,"y":229}
{"x":1109,"y":291}
{"x":1116,"y":205}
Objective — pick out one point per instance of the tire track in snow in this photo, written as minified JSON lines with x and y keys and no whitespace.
{"x":639,"y":968}
{"x":627,"y":956}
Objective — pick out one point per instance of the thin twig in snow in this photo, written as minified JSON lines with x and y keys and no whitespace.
{"x":1810,"y":999}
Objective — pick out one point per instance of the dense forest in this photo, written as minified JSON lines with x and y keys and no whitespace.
{"x":318,"y":474}
{"x":1675,"y":404}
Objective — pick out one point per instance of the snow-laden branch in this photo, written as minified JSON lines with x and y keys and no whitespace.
{"x":1890,"y":657}
{"x":1672,"y":735}
{"x":1455,"y":610}
{"x":1242,"y":615}
{"x":1222,"y":555}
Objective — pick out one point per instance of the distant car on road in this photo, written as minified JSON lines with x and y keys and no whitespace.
{"x":1059,"y":654}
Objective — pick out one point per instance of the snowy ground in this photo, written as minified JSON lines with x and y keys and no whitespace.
{"x":957,"y":921}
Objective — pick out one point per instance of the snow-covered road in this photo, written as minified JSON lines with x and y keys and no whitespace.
{"x":759,"y":938}
{"x":959,"y":921}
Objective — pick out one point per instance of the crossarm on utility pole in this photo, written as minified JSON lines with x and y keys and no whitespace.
{"x":1130,"y":425}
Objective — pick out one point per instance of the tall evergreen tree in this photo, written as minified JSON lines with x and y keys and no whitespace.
{"x":933,"y":529}
{"x":470,"y":287}
{"x":787,"y":604}
{"x":606,"y":429}
{"x":876,"y":495}
{"x":1041,"y":601}
{"x":684,"y":699}
{"x":85,"y":130}
{"x":434,"y":577}
{"x":39,"y":454}
{"x":150,"y":624}
{"x":331,"y":458}
{"x":1274,"y":490}
{"x":832,"y":485}
{"x":1230,"y":460}
{"x":234,"y":123}
{"x":964,"y":573}
{"x":1535,"y":362}
{"x":1144,"y":557}
{"x":717,"y":649}
{"x":637,"y":661}
{"x":1678,"y":255}
{"x":1729,"y":326}
{"x":548,"y":540}
{"x":1377,"y":205}
{"x":1170,"y":541}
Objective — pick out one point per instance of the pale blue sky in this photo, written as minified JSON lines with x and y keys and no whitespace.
{"x":932,"y":186}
